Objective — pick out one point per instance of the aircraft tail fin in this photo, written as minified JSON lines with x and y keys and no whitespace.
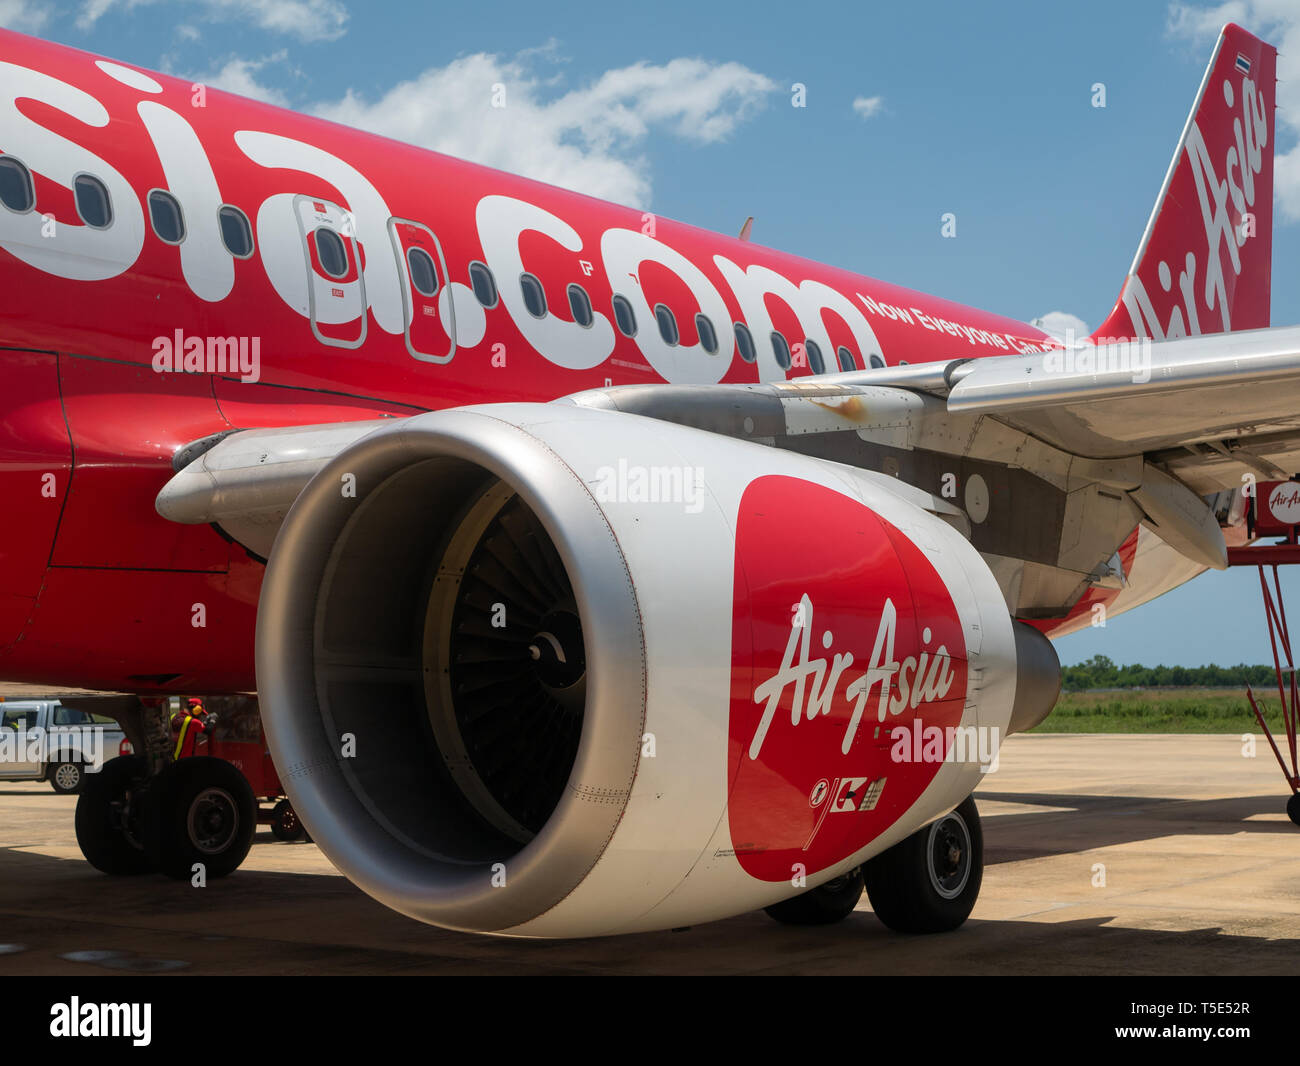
{"x":1205,"y":260}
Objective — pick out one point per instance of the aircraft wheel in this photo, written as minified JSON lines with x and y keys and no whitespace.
{"x":284,"y":822}
{"x":108,"y":817}
{"x":1293,"y":807}
{"x":204,"y":812}
{"x":824,"y":905}
{"x":929,"y":882}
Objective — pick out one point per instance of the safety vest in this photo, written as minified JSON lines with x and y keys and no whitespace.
{"x":191,"y":726}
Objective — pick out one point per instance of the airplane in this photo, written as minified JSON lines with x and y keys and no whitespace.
{"x":593,"y":573}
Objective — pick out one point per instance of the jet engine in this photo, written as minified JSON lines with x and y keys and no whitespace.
{"x":540,"y":670}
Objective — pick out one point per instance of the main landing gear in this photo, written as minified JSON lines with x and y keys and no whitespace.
{"x":109,"y":817}
{"x":198,"y":815}
{"x":143,"y":813}
{"x":927,"y":883}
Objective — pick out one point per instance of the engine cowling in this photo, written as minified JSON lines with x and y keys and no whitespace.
{"x":546,"y":671}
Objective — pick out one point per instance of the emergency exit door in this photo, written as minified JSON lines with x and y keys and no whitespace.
{"x":335,"y":285}
{"x":430,"y":313}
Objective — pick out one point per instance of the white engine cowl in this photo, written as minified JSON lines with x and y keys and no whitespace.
{"x":546,"y":671}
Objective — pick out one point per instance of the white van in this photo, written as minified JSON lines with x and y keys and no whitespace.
{"x":42,"y":740}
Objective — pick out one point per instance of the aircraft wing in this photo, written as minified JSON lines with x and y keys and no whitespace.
{"x":1202,"y":407}
{"x":1174,"y":426}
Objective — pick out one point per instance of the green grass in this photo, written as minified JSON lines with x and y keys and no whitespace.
{"x":1176,"y":710}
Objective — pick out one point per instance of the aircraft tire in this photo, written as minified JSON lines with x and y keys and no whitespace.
{"x":202,"y":813}
{"x":824,"y":905}
{"x":929,"y":882}
{"x":101,"y":807}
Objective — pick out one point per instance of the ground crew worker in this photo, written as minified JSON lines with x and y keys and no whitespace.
{"x":188,"y":723}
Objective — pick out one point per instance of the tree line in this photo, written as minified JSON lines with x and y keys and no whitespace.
{"x":1101,"y":672}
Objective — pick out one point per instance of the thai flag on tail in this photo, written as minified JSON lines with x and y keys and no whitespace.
{"x":1243,"y":64}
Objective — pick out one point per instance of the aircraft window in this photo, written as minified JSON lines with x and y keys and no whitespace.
{"x":236,"y":234}
{"x":333,"y":255}
{"x":423,"y":275}
{"x":485,"y":286}
{"x":847,"y":362}
{"x":781,"y":349}
{"x":815,"y":360}
{"x":667,"y":323}
{"x":92,"y":202}
{"x":708,"y":335}
{"x":16,"y":191}
{"x":745,"y":342}
{"x":624,"y":316}
{"x":580,"y":305}
{"x":877,"y":363}
{"x":534,"y":295}
{"x":903,"y":362}
{"x":165,"y":213}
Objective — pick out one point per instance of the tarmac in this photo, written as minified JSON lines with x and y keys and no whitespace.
{"x":1104,"y":855}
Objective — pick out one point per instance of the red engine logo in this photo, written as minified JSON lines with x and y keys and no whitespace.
{"x":842,"y":631}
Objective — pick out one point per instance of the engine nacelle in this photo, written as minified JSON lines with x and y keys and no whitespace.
{"x":547,"y":671}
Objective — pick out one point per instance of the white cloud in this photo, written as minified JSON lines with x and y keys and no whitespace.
{"x":1063,"y":326}
{"x":1278,"y":22}
{"x":1186,"y":20}
{"x":240,"y":76}
{"x":27,"y":15}
{"x":869,"y":106}
{"x":588,"y":139}
{"x":308,"y":20}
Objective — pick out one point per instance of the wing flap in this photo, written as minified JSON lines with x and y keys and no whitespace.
{"x":1137,"y":397}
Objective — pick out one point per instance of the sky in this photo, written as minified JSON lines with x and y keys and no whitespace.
{"x":908,"y":112}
